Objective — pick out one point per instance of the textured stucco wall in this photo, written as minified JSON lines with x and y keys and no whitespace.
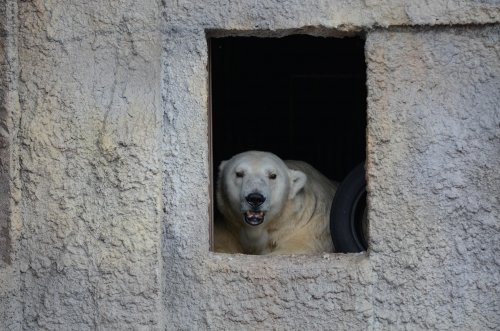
{"x":105,"y":171}
{"x":10,"y":222}
{"x":434,"y":179}
{"x":89,"y":155}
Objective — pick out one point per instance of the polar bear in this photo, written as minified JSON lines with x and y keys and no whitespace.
{"x":271,"y":206}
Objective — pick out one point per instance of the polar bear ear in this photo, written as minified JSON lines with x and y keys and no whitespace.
{"x":221,"y":166}
{"x":297,"y":181}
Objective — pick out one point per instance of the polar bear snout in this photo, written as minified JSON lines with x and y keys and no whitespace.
{"x":257,"y":212}
{"x":255,"y":199}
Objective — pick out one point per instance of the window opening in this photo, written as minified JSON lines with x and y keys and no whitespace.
{"x":299,"y":97}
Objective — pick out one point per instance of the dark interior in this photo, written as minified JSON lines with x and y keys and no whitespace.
{"x":300,"y":97}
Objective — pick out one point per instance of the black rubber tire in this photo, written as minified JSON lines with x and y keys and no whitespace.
{"x":347,"y":216}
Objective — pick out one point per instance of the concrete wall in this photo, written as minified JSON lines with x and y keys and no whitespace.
{"x":88,"y":136}
{"x":10,"y":216}
{"x":105,"y":170}
{"x":434,"y":180}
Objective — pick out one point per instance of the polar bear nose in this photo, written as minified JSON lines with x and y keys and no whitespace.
{"x":255,"y":199}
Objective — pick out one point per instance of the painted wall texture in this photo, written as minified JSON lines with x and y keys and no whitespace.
{"x":105,"y":170}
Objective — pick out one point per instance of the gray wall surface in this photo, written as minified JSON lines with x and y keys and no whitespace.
{"x":434,"y":179}
{"x":105,"y":170}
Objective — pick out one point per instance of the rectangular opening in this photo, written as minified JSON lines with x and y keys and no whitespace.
{"x":299,"y":97}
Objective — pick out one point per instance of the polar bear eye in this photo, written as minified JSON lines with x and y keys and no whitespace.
{"x":240,"y":174}
{"x":272,"y":176}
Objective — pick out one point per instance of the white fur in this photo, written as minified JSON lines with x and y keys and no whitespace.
{"x":297,"y":206}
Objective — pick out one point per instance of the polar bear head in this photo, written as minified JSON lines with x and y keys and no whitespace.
{"x":254,"y":187}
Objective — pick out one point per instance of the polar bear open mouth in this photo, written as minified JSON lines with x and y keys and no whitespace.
{"x":254,"y":217}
